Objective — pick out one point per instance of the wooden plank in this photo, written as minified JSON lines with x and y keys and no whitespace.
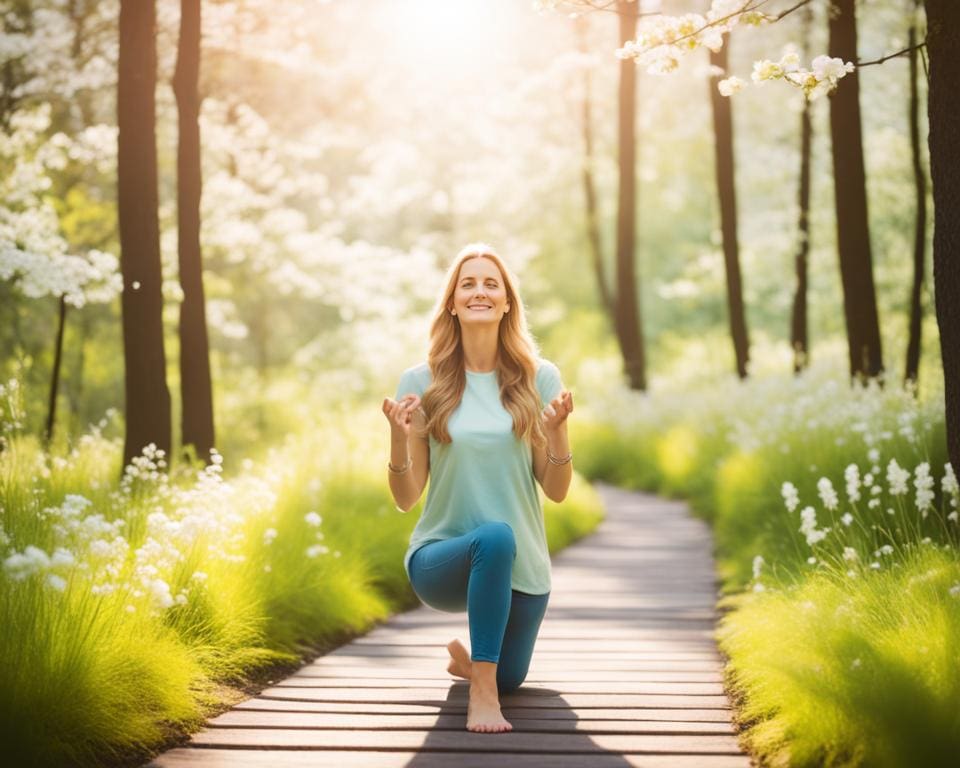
{"x":233,"y":758}
{"x":337,"y":687}
{"x":437,"y":650}
{"x":451,"y":722}
{"x":570,"y":638}
{"x":359,"y":666}
{"x":408,"y":674}
{"x":532,"y":697}
{"x":565,"y":743}
{"x":705,"y":715}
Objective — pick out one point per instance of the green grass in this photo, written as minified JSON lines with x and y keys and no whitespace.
{"x":852,"y":671}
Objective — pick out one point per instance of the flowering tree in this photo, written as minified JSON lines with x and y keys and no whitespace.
{"x":35,"y":257}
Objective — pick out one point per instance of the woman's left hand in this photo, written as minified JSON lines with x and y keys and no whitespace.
{"x":557,"y":410}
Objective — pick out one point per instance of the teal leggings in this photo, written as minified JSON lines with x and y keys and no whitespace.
{"x":472,"y":572}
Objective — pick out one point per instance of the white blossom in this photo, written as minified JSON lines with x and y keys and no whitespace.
{"x":730,"y":85}
{"x":923,"y":483}
{"x":852,"y":477}
{"x":790,"y":496}
{"x":897,"y":478}
{"x":827,"y":494}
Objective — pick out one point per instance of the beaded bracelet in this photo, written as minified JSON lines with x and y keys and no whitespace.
{"x":559,"y":462}
{"x":401,"y":470}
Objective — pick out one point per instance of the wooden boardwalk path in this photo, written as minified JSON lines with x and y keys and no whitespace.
{"x":625,"y":673}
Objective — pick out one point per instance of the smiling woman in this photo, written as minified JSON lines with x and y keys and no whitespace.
{"x":485,"y":418}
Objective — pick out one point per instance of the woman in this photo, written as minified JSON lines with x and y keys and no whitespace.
{"x":484,"y":417}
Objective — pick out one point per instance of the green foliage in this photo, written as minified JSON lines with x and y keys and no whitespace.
{"x":852,"y":671}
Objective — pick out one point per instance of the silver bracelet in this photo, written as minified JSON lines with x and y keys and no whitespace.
{"x":554,"y":460}
{"x":400,"y":470}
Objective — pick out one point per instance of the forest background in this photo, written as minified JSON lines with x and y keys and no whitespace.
{"x":346,"y":151}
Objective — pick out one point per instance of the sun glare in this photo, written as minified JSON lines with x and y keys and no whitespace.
{"x":446,"y":36}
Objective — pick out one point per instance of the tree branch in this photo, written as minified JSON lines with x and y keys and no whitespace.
{"x":917,"y":47}
{"x":790,"y":10}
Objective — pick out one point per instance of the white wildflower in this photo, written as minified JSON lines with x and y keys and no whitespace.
{"x":790,"y":496}
{"x":313,"y":519}
{"x":923,"y":483}
{"x":849,"y":554}
{"x":808,"y":526}
{"x":826,"y":492}
{"x":56,"y":582}
{"x":852,"y":477}
{"x":897,"y":478}
{"x":846,"y":519}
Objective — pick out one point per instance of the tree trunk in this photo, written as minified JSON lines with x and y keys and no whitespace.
{"x":727,"y":194}
{"x":943,"y":110}
{"x":195,"y":384}
{"x":912,"y":367}
{"x":629,"y":331}
{"x":798,"y":319}
{"x":55,"y":377}
{"x":589,"y":187}
{"x":799,"y":340}
{"x":147,"y":396}
{"x":850,"y":185}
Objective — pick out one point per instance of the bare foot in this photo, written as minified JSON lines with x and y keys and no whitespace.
{"x":483,"y":709}
{"x":460,"y":664}
{"x":483,"y":714}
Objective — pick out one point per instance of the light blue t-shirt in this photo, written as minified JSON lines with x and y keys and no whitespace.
{"x":485,"y":474}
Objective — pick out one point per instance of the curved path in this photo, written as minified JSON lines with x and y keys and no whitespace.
{"x":625,"y":673}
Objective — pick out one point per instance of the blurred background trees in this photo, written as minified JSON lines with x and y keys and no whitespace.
{"x":348,"y":150}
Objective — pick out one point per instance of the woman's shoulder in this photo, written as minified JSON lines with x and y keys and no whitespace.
{"x":414,"y":380}
{"x":545,"y":367}
{"x":549,"y":382}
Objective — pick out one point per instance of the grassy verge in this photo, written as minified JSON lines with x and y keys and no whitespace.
{"x":837,"y":537}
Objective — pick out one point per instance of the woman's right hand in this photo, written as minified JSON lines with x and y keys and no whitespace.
{"x":400,"y":413}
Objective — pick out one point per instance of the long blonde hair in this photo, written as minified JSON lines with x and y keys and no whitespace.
{"x":516,"y":358}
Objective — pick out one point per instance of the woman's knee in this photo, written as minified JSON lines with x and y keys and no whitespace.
{"x":509,"y":679}
{"x":495,"y":538}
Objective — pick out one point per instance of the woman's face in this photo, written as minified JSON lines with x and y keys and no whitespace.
{"x":480,"y":295}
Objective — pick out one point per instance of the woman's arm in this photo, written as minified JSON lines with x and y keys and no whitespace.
{"x":555,"y":478}
{"x":410,"y":448}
